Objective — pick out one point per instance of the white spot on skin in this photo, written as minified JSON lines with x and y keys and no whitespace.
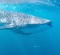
{"x":3,"y":20}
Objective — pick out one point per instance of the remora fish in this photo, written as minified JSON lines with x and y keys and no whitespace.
{"x":21,"y":22}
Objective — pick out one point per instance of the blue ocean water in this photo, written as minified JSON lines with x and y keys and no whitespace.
{"x":46,"y":42}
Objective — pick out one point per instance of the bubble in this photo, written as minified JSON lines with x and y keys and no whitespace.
{"x":36,"y":46}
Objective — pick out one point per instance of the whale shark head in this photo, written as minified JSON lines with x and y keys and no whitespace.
{"x":21,"y":22}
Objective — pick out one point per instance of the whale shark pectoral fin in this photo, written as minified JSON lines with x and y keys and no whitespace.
{"x":23,"y":33}
{"x":20,"y":30}
{"x":30,"y":29}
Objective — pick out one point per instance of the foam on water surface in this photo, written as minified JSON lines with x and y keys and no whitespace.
{"x":48,"y":2}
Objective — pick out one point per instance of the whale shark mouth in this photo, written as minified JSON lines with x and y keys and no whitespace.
{"x":21,"y":22}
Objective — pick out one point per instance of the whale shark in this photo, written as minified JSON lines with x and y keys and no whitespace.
{"x":22,"y":23}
